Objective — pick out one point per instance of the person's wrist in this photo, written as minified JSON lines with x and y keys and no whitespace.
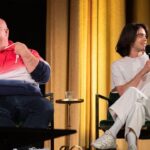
{"x":25,"y":53}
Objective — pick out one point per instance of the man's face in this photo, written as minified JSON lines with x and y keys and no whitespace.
{"x":4,"y":32}
{"x":141,"y":40}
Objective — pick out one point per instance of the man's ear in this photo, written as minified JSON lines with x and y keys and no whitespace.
{"x":7,"y":32}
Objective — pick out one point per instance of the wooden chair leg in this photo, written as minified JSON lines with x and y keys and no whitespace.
{"x":52,"y":144}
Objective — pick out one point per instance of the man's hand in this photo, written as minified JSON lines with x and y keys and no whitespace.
{"x":28,"y":58}
{"x":21,"y":49}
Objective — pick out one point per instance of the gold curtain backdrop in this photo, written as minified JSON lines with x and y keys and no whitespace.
{"x":97,"y":20}
{"x":80,"y":47}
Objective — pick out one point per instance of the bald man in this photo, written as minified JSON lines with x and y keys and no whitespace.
{"x":21,"y":71}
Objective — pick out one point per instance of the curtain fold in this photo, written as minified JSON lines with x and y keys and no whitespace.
{"x":56,"y":55}
{"x":141,"y":11}
{"x":99,"y":26}
{"x":84,"y":68}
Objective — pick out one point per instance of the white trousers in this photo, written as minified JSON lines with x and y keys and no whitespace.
{"x":133,"y":108}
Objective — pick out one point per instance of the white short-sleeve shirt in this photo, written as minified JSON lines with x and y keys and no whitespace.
{"x":124,"y":69}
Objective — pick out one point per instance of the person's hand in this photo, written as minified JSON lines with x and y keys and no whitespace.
{"x":29,"y":60}
{"x":21,"y":49}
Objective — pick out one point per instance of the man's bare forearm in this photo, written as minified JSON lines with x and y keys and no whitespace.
{"x":30,"y":61}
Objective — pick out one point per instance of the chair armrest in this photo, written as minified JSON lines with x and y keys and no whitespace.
{"x":101,"y":96}
{"x":97,"y":98}
{"x":51,"y":98}
{"x":50,"y":95}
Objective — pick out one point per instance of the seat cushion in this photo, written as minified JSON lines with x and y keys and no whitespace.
{"x":106,"y":124}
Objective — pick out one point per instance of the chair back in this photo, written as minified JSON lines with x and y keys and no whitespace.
{"x":112,"y":98}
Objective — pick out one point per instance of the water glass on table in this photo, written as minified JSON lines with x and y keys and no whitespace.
{"x":68,"y":95}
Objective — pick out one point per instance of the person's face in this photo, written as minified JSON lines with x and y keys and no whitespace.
{"x":140,"y":41}
{"x":4,"y":32}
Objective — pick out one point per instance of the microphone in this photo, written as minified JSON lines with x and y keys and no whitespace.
{"x":147,"y":50}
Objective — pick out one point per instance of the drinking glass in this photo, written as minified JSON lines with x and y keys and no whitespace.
{"x":69,"y":95}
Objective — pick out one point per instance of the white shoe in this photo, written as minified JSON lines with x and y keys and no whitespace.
{"x":106,"y":141}
{"x":132,"y":147}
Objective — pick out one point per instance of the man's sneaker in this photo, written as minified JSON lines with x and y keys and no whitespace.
{"x":132,"y":147}
{"x":106,"y":141}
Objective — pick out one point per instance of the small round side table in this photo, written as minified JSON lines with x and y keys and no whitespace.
{"x":68,"y":102}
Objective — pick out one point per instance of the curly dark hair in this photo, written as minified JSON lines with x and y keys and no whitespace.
{"x":127,"y":38}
